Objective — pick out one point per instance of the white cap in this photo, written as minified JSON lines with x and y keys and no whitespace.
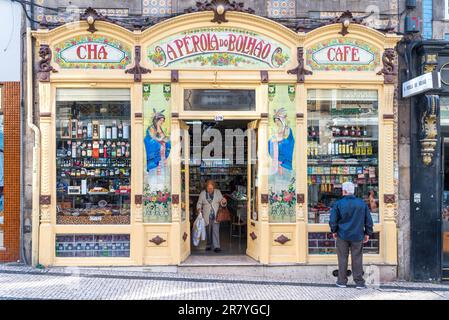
{"x":348,"y":187}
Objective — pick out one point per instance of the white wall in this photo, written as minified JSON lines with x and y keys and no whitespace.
{"x":10,"y":24}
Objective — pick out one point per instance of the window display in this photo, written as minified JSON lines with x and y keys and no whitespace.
{"x":93,"y":159}
{"x":92,"y":245}
{"x":324,"y":243}
{"x":342,"y":146}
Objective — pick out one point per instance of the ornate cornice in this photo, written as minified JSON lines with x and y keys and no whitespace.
{"x":219,"y":7}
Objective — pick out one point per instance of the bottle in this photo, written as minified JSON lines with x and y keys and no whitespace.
{"x":113,"y":150}
{"x":74,"y":125}
{"x":89,"y":130}
{"x":100,"y":149}
{"x":102,"y":131}
{"x":125,"y":131}
{"x":120,"y":130}
{"x":83,"y":150}
{"x":114,"y":130}
{"x":79,"y":134}
{"x":123,"y":149}
{"x":69,"y":148}
{"x":127,"y":153}
{"x":74,"y":150}
{"x":108,"y":132}
{"x":84,"y":132}
{"x":89,"y":149}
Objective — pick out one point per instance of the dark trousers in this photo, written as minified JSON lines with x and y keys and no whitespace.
{"x":356,"y":258}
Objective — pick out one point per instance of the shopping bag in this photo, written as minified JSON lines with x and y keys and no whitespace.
{"x":199,"y":230}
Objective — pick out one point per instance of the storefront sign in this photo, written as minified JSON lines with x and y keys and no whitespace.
{"x":342,"y":55}
{"x":219,"y":47}
{"x":92,"y":52}
{"x":423,"y":83}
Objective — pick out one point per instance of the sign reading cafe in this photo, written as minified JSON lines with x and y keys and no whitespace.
{"x":342,"y":55}
{"x":218,"y":47}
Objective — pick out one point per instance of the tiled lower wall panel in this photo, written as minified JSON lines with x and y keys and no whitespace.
{"x":12,"y":143}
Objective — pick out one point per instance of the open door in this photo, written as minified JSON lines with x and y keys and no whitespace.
{"x":253,"y":234}
{"x":184,"y":196}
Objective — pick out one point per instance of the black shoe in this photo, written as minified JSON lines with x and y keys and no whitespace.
{"x":208,"y":248}
{"x":217,"y":250}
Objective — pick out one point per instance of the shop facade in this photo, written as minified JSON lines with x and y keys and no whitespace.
{"x":120,"y":166}
{"x":429,"y":131}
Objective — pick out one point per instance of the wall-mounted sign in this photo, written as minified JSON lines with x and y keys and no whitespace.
{"x":420,"y":84}
{"x":96,"y":52}
{"x":342,"y":55}
{"x":219,"y":47}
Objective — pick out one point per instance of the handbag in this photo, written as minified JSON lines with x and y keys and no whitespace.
{"x":223,"y":215}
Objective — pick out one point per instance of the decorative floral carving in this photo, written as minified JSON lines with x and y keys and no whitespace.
{"x":389,"y":69}
{"x":282,"y":239}
{"x":389,"y":198}
{"x":157,"y":240}
{"x":300,"y":70}
{"x":137,"y":70}
{"x":219,"y":7}
{"x":43,"y":73}
{"x":429,"y":131}
{"x":45,"y":200}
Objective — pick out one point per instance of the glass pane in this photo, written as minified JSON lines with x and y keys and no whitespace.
{"x":324,"y":243}
{"x":342,"y":146}
{"x":93,"y":159}
{"x":92,"y":245}
{"x":219,"y":100}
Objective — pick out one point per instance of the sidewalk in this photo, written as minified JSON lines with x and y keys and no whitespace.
{"x":24,"y":282}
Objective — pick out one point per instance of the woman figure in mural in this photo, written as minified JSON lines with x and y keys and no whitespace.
{"x":281,"y":145}
{"x":282,"y":179}
{"x":157,"y":147}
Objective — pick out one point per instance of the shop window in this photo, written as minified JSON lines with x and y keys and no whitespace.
{"x":92,"y":245}
{"x":324,"y":243}
{"x":281,"y":9}
{"x":93,"y":156}
{"x":342,"y":146}
{"x":219,"y":100}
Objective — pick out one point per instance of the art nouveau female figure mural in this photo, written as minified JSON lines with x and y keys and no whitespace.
{"x":157,"y":176}
{"x":282,"y":175}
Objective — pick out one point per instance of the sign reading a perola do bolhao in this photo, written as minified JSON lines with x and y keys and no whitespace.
{"x":342,"y":55}
{"x":218,"y":47}
{"x":92,"y":52}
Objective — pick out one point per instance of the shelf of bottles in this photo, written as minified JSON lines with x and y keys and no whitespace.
{"x":324,"y":243}
{"x":93,"y":163}
{"x":92,"y":245}
{"x":342,"y":146}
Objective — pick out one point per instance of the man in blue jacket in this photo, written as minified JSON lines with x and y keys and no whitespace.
{"x":351,"y":225}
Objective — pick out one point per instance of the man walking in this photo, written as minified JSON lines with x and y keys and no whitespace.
{"x":351,"y":225}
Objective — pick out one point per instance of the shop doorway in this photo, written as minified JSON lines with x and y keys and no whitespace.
{"x":221,"y":151}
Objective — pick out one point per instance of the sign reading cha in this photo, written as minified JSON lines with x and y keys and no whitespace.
{"x":223,"y":48}
{"x":92,"y":52}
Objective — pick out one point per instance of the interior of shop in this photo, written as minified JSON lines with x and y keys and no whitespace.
{"x":226,"y":164}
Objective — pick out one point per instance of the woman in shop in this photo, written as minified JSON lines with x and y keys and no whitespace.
{"x":209,"y":201}
{"x":157,"y":146}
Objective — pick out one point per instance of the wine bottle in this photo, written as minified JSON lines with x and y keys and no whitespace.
{"x":89,"y":130}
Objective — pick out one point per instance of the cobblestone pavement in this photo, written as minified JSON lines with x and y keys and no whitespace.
{"x":24,"y":282}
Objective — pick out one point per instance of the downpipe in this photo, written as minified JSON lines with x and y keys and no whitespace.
{"x":35,"y":213}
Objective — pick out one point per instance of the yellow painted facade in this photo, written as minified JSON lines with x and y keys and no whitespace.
{"x":176,"y":248}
